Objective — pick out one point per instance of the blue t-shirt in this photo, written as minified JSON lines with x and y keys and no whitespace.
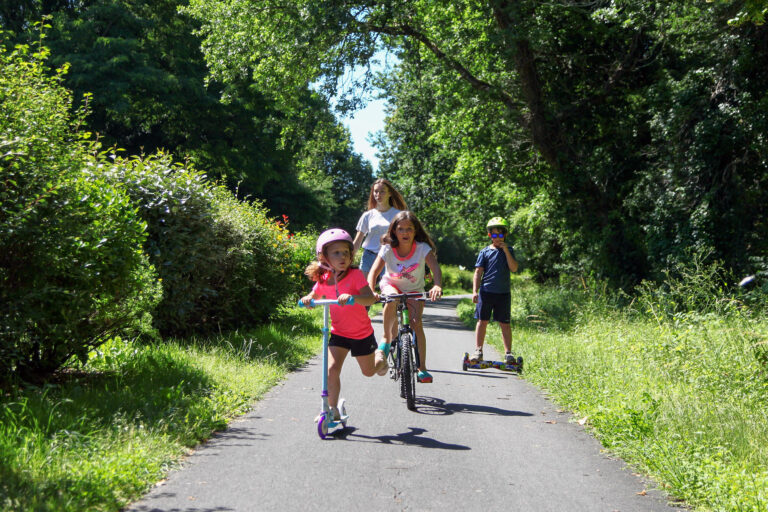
{"x":495,"y":269}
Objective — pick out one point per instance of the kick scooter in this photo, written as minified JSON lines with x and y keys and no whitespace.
{"x":512,"y":366}
{"x":325,"y":419}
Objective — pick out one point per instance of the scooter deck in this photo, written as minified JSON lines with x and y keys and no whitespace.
{"x":516,"y":366}
{"x":342,"y":422}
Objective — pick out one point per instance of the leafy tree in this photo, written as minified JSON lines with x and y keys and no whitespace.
{"x":581,"y":89}
{"x":72,"y":272}
{"x":142,"y":65}
{"x":338,"y":177}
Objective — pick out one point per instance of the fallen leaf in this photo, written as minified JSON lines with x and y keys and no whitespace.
{"x":583,"y":420}
{"x":642,"y":493}
{"x":551,"y":422}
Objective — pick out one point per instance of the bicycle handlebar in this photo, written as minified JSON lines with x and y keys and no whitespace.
{"x":323,"y":302}
{"x":408,"y":295}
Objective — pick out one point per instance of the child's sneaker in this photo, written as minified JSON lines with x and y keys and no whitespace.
{"x":335,"y":414}
{"x":477,"y":356}
{"x":509,"y":358}
{"x":424,"y":377}
{"x":380,"y":363}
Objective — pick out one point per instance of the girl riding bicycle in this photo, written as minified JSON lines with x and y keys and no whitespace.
{"x":351,"y":330}
{"x":405,"y":250}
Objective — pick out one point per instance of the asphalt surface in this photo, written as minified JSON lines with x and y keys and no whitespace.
{"x":480,"y":440}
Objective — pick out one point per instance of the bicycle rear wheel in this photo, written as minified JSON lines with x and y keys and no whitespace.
{"x":407,"y":374}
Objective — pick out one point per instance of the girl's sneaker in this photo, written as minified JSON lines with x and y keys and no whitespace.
{"x":335,"y":414}
{"x":477,"y":356}
{"x":380,"y":362}
{"x":424,"y":377}
{"x":509,"y":358}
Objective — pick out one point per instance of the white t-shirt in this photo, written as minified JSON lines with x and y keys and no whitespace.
{"x":374,"y":224}
{"x":405,"y":274}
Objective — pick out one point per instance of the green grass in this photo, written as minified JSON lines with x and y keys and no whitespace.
{"x":681,"y":396}
{"x":104,"y":434}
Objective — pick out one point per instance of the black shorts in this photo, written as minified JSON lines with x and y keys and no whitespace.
{"x":500,"y":304}
{"x":361,"y":347}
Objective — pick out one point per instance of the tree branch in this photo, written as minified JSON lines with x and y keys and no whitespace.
{"x":480,"y":85}
{"x":546,"y":136}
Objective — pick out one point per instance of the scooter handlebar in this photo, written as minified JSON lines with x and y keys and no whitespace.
{"x":323,"y":302}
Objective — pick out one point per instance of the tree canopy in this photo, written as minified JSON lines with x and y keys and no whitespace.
{"x":637,"y":124}
{"x":141,"y":64}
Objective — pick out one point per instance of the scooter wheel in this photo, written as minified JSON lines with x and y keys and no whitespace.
{"x":520,"y":364}
{"x":322,"y":426}
{"x":464,"y":365}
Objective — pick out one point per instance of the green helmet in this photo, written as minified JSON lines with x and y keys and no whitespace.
{"x":498,"y":222}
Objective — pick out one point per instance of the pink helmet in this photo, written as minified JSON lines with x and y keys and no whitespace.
{"x":331,"y":235}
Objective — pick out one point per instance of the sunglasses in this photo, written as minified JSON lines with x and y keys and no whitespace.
{"x":496,"y":235}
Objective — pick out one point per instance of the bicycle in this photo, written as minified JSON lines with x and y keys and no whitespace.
{"x":404,"y":359}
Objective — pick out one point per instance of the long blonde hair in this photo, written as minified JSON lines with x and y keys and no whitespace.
{"x":395,"y":198}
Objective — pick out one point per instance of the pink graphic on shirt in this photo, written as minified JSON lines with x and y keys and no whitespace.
{"x":405,"y":272}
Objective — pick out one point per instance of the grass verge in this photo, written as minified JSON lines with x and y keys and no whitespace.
{"x":101,"y":436}
{"x":682,"y":397}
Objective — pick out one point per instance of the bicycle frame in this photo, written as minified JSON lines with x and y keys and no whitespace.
{"x":404,"y":352}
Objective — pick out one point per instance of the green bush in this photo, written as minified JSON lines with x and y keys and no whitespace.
{"x":539,"y":238}
{"x":696,"y":285}
{"x":456,"y":278}
{"x":72,"y":272}
{"x":263,"y":265}
{"x":223,"y":263}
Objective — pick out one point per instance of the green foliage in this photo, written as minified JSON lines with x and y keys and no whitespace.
{"x":539,"y":308}
{"x":72,"y":272}
{"x":541,"y":236}
{"x":222,"y":262}
{"x":337,"y":179}
{"x":456,"y":278}
{"x":699,"y":287}
{"x":641,"y":126}
{"x":751,"y":11}
{"x":141,"y":65}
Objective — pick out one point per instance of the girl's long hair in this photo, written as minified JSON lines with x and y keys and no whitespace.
{"x":420,"y":235}
{"x":395,"y":199}
{"x":316,"y":270}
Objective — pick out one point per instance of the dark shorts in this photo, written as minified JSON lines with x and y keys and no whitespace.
{"x":361,"y":347}
{"x":500,"y":304}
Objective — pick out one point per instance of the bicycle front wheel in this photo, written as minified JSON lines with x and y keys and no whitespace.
{"x":407,"y":373}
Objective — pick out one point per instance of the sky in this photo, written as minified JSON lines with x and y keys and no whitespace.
{"x":363,"y":125}
{"x":365,"y":122}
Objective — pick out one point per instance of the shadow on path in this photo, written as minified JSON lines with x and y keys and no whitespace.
{"x":412,"y":438}
{"x":478,"y":373}
{"x":438,"y":406}
{"x":176,"y":509}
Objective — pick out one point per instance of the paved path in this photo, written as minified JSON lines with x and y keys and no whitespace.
{"x":480,"y":440}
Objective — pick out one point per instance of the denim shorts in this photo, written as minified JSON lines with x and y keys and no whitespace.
{"x":366,"y":262}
